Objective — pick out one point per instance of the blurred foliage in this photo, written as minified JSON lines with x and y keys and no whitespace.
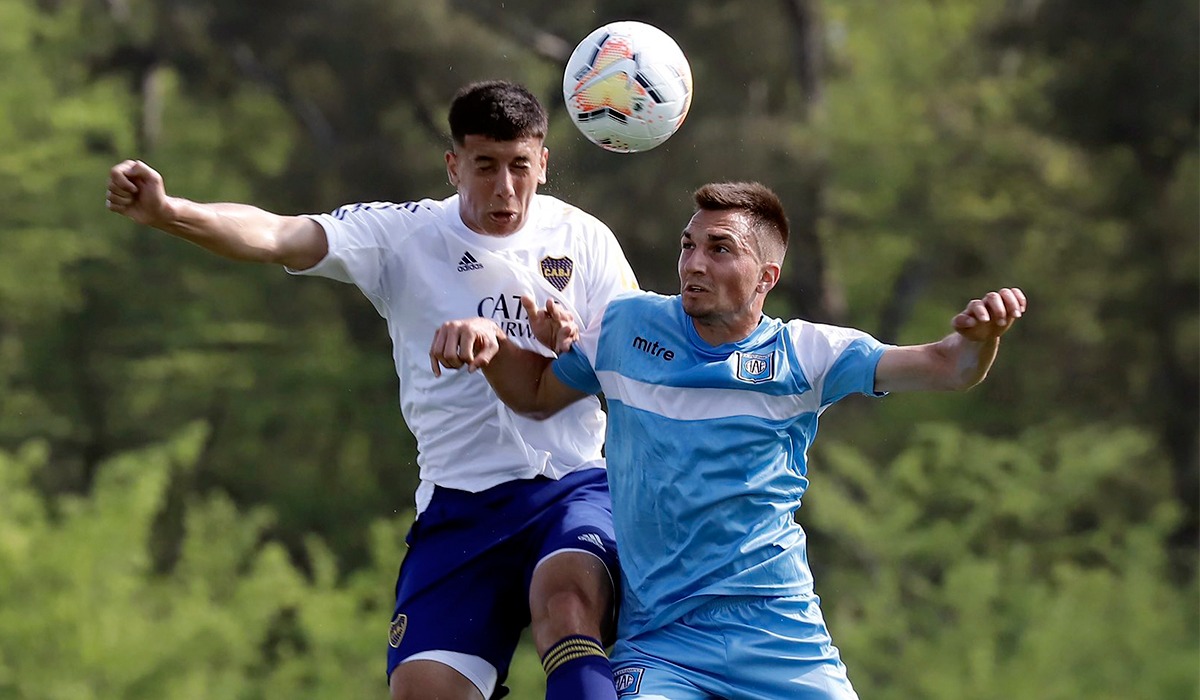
{"x":84,"y":614}
{"x":1002,"y":568}
{"x":204,"y":478}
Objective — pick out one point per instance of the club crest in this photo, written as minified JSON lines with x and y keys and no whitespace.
{"x":396,"y":633}
{"x":628,"y":680}
{"x":557,"y":271}
{"x":755,"y":367}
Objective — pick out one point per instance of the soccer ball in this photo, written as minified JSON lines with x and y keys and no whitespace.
{"x":627,"y":86}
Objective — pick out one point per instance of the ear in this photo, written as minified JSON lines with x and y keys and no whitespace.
{"x":545,"y":163}
{"x":768,"y":277}
{"x":452,"y":167}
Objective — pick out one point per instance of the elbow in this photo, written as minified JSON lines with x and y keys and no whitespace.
{"x":526,"y":405}
{"x":535,"y":415}
{"x":295,"y":242}
{"x":265,"y":254}
{"x":272,"y":249}
{"x":535,"y":412}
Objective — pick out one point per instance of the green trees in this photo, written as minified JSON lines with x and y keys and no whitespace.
{"x":86,"y":614}
{"x":996,"y":568}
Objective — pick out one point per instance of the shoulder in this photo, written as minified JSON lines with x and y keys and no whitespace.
{"x":821,"y":332}
{"x":639,"y":305}
{"x":644,"y":300}
{"x":631,"y":314}
{"x":823,"y":342}
{"x":381,"y":224}
{"x":425,"y":209}
{"x":555,"y":212}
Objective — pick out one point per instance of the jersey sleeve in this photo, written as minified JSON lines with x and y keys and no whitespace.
{"x":577,"y":367}
{"x":611,"y":274}
{"x":573,"y":369}
{"x":361,"y":238}
{"x":837,"y":361}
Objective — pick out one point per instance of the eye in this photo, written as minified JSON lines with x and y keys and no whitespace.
{"x":687,"y":245}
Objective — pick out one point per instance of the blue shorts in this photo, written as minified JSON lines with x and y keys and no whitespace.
{"x":464,"y":584}
{"x":751,"y":648}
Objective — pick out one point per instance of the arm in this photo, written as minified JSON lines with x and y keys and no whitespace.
{"x":237,"y":231}
{"x":960,"y":360}
{"x":521,"y":378}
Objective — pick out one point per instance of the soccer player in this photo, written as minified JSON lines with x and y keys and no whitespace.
{"x":514,"y":521}
{"x":712,"y":408}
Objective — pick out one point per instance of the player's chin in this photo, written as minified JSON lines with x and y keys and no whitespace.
{"x":693,"y":306}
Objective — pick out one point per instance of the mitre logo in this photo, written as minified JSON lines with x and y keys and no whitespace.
{"x":653,"y":348}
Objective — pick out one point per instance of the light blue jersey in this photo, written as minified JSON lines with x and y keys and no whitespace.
{"x":707,"y":448}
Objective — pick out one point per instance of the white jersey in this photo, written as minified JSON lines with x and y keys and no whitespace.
{"x":421,"y":266}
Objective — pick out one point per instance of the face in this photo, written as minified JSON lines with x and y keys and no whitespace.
{"x":723,"y":280}
{"x":496,"y":181}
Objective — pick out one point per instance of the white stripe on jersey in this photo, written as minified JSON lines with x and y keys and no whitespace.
{"x":689,"y":403}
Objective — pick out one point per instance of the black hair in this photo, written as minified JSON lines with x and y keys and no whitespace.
{"x":497,"y":109}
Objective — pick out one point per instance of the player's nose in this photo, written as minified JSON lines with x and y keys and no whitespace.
{"x":505,"y":185}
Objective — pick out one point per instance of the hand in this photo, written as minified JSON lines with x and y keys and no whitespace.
{"x":553,"y":326}
{"x":471,"y":342}
{"x":136,"y":190}
{"x":990,"y":317}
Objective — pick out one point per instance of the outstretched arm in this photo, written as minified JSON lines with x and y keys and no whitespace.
{"x":521,"y":378}
{"x":237,"y":231}
{"x":960,"y":360}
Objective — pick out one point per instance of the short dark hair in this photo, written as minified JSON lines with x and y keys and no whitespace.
{"x":497,"y":109}
{"x":756,"y":200}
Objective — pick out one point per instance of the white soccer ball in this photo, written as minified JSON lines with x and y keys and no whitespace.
{"x":628,"y":86}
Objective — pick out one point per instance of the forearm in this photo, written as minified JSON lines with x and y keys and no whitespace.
{"x":525,"y":382}
{"x":960,"y":360}
{"x":951,"y":364}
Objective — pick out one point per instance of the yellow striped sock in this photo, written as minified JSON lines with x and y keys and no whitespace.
{"x":569,"y":649}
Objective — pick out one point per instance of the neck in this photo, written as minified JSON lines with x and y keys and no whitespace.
{"x":721,"y":331}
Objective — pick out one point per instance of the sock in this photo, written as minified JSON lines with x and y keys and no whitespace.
{"x":578,"y":669}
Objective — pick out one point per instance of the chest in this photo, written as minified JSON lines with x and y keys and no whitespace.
{"x":444,"y":279}
{"x":652,"y":354}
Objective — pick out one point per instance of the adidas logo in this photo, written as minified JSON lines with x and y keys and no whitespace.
{"x":593,"y":539}
{"x":468,"y":262}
